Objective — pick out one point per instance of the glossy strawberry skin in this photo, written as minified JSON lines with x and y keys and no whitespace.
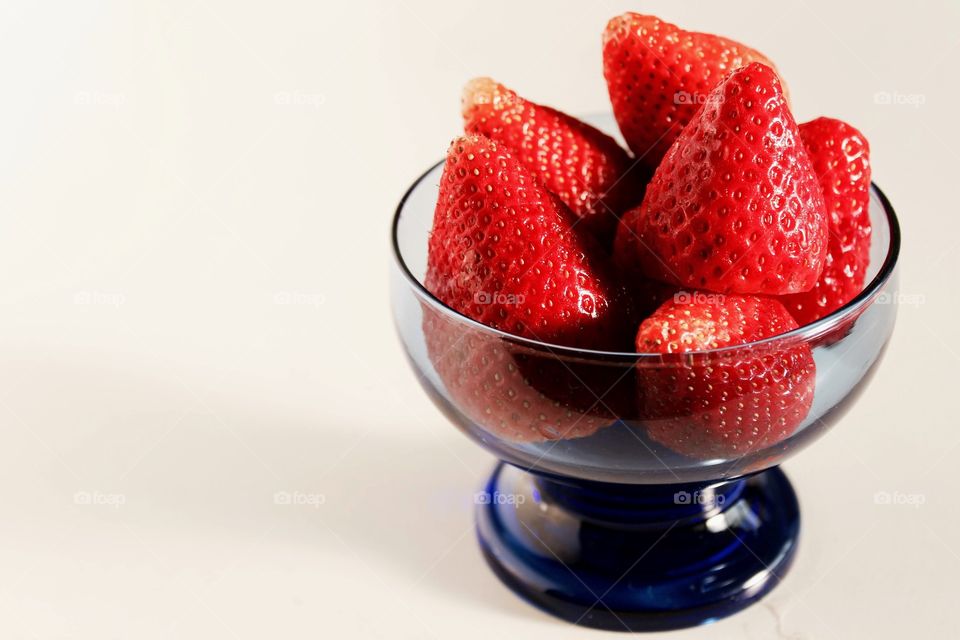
{"x":727,"y":404}
{"x":658,"y":75}
{"x":841,"y":160}
{"x":735,"y":206}
{"x":580,"y":164}
{"x":503,"y":252}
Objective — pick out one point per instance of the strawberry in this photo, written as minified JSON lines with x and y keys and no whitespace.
{"x":583,"y":166}
{"x":841,"y":160}
{"x":517,"y":393}
{"x":726,"y":404}
{"x":503,"y":252}
{"x":658,"y":76}
{"x":735,"y":206}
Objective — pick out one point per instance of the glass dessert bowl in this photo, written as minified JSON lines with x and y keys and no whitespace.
{"x":611,"y":508}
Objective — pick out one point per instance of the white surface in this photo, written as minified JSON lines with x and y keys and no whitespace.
{"x":193,"y":262}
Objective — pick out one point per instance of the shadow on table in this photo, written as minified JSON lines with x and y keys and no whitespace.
{"x":400,"y":500}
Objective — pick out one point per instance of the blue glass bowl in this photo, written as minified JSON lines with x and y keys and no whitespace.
{"x":602,"y":512}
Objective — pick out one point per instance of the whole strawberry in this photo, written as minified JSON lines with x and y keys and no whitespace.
{"x":658,"y":75}
{"x":503,"y":252}
{"x":583,"y":166}
{"x":735,"y":206}
{"x":841,"y":160}
{"x":726,"y":404}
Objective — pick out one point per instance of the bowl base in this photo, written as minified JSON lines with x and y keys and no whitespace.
{"x":638,"y":558}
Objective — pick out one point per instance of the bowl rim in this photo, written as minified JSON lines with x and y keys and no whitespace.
{"x":804,"y":333}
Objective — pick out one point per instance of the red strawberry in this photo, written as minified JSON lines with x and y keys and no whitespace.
{"x":517,"y":393}
{"x":658,"y":76}
{"x":726,"y":404}
{"x":735,"y":205}
{"x":583,"y":166}
{"x":503,"y":252}
{"x":841,"y":159}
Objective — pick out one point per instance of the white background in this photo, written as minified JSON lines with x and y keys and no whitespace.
{"x":195,"y":317}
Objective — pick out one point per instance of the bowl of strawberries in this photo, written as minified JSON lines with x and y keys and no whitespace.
{"x":642,"y":316}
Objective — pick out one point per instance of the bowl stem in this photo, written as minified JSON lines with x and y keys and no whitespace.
{"x":638,"y":558}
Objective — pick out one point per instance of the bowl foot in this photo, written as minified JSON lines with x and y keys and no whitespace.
{"x":638,"y":558}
